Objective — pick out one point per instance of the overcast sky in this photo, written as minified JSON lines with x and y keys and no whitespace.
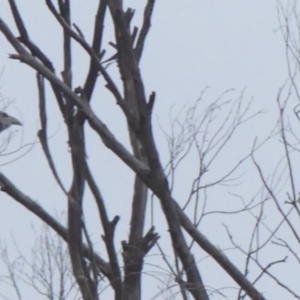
{"x":232,"y":44}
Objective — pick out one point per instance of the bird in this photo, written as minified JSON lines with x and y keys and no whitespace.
{"x":7,"y":120}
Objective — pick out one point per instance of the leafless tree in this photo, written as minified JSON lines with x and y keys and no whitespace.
{"x":47,"y":271}
{"x":200,"y":128}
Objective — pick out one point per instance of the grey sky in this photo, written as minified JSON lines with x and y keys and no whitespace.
{"x":192,"y":45}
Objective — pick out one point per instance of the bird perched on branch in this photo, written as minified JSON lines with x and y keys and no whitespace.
{"x":6,"y":121}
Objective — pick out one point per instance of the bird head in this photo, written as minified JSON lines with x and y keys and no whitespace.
{"x":7,"y":120}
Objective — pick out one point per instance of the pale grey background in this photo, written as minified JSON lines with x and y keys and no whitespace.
{"x":192,"y":45}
